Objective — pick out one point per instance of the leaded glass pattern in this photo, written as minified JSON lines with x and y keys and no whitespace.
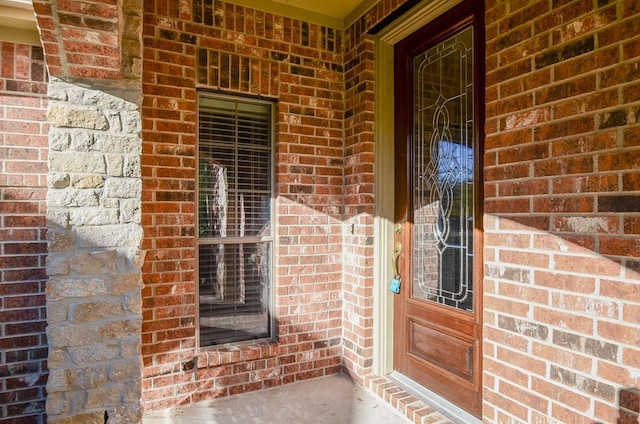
{"x":443,"y":157}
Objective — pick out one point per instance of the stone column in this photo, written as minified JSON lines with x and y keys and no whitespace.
{"x":95,"y":257}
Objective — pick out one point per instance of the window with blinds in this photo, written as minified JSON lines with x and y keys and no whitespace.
{"x":235,"y":238}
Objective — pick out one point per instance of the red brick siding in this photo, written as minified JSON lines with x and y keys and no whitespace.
{"x":562,"y":206}
{"x":97,"y":40}
{"x":23,"y":247}
{"x":239,"y":50}
{"x":358,"y":198}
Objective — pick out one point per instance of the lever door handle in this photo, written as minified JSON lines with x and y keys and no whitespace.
{"x":397,"y":251}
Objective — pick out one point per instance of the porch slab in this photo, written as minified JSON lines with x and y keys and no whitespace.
{"x":331,"y":400}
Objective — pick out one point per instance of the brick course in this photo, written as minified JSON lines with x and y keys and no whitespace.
{"x":23,"y":246}
{"x":557,"y":153}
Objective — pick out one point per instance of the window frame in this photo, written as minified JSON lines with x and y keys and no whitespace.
{"x":237,"y":240}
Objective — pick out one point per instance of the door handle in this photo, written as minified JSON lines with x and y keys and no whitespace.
{"x":397,"y":251}
{"x":395,"y":282}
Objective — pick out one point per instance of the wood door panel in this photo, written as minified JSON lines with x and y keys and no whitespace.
{"x":450,"y":386}
{"x":443,"y":318}
{"x":444,"y":350}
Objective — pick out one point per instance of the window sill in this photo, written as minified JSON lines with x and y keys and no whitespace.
{"x":228,"y":355}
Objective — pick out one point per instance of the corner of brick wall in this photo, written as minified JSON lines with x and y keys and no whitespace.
{"x":359,"y":202}
{"x":23,"y":246}
{"x":562,"y":253}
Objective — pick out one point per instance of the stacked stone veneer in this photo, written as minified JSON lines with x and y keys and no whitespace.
{"x":94,"y":263}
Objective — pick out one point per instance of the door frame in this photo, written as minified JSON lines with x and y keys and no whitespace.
{"x":384,"y":193}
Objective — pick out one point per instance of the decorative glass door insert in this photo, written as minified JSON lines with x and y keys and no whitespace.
{"x":443,"y":160}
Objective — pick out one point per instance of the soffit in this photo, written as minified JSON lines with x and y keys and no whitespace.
{"x":18,"y":22}
{"x":337,"y":14}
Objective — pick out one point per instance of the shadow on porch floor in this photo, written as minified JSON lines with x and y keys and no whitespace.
{"x":329,"y":400}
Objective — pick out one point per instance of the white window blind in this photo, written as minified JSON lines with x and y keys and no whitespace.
{"x":235,"y":168}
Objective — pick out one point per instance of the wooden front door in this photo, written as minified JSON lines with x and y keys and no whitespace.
{"x":438,"y":147}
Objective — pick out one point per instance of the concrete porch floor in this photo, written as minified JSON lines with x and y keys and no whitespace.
{"x":329,"y":400}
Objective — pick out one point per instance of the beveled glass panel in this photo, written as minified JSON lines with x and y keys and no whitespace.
{"x":443,"y":157}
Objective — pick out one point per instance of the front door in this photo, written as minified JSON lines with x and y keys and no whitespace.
{"x":438,"y":148}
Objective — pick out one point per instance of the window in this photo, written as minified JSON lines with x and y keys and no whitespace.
{"x":235,"y":236}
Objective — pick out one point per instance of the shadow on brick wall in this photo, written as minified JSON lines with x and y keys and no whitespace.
{"x":629,"y":406}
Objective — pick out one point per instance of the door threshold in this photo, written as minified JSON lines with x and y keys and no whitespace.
{"x":440,"y":404}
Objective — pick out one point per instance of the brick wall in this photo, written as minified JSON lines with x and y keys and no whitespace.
{"x":358,"y":198}
{"x":561,"y":292}
{"x":23,"y":246}
{"x":562,"y":152}
{"x":98,"y":40}
{"x":239,"y":50}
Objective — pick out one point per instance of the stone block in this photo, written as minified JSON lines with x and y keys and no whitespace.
{"x":130,"y":259}
{"x":113,"y":143}
{"x":87,"y":181}
{"x":99,"y":262}
{"x":131,"y":122}
{"x":102,"y":100}
{"x":89,"y":162}
{"x":83,"y":418}
{"x":104,"y":396}
{"x":115,"y":165}
{"x":64,"y":288}
{"x":93,"y":216}
{"x":81,"y":141}
{"x":70,"y":116}
{"x":124,"y":188}
{"x":132,"y":167}
{"x":132,"y":303}
{"x":130,"y":210}
{"x":58,"y":180}
{"x":131,"y":347}
{"x":57,"y":312}
{"x":57,"y":404}
{"x":62,"y":335}
{"x":94,"y":353}
{"x":109,"y":235}
{"x":72,"y":198}
{"x":88,"y":311}
{"x":123,"y":283}
{"x":57,"y":381}
{"x":125,"y":370}
{"x":57,"y":217}
{"x":57,"y":358}
{"x":130,"y":413}
{"x":114,"y":119}
{"x":84,"y":378}
{"x":120,"y":329}
{"x":59,"y":140}
{"x":109,"y":203}
{"x":60,"y":240}
{"x":57,"y":265}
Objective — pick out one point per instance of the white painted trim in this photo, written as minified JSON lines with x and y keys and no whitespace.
{"x":18,"y":23}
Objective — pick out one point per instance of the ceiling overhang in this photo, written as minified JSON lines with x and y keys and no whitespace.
{"x":18,"y":22}
{"x":337,"y":14}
